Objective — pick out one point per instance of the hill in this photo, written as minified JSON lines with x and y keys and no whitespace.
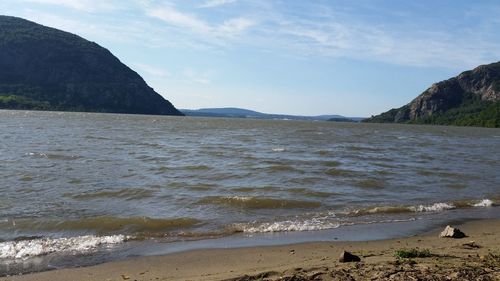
{"x":44,"y":68}
{"x":223,"y":112}
{"x":232,"y":112}
{"x":469,"y":99}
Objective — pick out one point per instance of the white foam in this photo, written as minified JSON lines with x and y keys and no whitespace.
{"x":484,"y":203}
{"x":278,"y":149}
{"x":37,"y":247}
{"x":432,"y":208}
{"x":289,"y":225}
{"x":239,"y":198}
{"x":39,"y":154}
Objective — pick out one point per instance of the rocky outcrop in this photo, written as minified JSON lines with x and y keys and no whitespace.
{"x":481,"y":85}
{"x":46,"y":68}
{"x":483,"y":81}
{"x":438,"y":98}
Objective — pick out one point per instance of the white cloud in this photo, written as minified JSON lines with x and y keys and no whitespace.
{"x":234,"y":26}
{"x":215,"y":3}
{"x":197,"y":77}
{"x":86,"y":28}
{"x":216,"y":33}
{"x":343,"y":35}
{"x":171,"y":16}
{"x":261,"y":24}
{"x":81,"y":5}
{"x":152,"y":70}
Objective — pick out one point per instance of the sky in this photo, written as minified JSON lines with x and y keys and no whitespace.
{"x":303,"y":57}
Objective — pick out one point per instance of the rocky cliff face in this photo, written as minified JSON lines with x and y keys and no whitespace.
{"x":481,"y":84}
{"x":45,"y":68}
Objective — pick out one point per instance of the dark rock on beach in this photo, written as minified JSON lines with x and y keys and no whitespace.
{"x":348,"y":257}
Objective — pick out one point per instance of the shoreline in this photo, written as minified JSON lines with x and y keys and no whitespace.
{"x":306,"y":260}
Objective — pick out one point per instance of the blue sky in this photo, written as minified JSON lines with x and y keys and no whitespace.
{"x":309,"y":57}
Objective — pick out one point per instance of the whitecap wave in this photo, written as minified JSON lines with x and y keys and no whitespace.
{"x":37,"y":154}
{"x":37,"y":247}
{"x":239,"y":198}
{"x":484,"y":203}
{"x":286,"y":226}
{"x":436,"y":207}
{"x":278,"y":149}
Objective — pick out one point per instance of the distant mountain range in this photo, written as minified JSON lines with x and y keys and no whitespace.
{"x":469,"y":99}
{"x":43,"y":68}
{"x":231,"y":112}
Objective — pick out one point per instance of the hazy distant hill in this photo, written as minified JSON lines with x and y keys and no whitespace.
{"x":470,"y":99}
{"x":223,"y":112}
{"x":232,"y":112}
{"x":47,"y":69}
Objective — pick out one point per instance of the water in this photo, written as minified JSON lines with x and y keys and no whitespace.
{"x":82,"y":184}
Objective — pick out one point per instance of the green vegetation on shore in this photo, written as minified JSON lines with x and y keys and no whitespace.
{"x":469,"y":99}
{"x":412,"y":253}
{"x":20,"y":102}
{"x":471,"y":112}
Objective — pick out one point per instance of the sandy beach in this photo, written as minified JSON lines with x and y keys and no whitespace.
{"x":475,"y":257}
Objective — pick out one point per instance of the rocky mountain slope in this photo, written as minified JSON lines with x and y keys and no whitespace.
{"x":47,"y":69}
{"x":470,"y":99}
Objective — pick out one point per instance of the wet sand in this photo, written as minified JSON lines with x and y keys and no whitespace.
{"x":475,"y":257}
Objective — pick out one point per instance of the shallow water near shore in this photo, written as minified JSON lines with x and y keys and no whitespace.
{"x":100,"y":187}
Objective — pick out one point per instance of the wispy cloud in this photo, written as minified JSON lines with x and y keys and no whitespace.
{"x":215,"y":3}
{"x":197,"y":77}
{"x":304,"y":30}
{"x":87,"y":28}
{"x":342,"y":34}
{"x":192,"y":23}
{"x":234,"y":26}
{"x":152,"y":70}
{"x":174,"y":17}
{"x":81,"y":5}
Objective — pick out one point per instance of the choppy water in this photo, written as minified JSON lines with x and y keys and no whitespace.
{"x":77,"y":182}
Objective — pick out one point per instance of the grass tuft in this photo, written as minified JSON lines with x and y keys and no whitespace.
{"x":412,"y":253}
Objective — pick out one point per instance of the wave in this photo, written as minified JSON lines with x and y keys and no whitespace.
{"x":195,"y":167}
{"x":435,"y":207}
{"x":330,"y":220}
{"x":363,"y":148}
{"x":43,"y":246}
{"x":189,"y":186}
{"x":309,"y":192}
{"x":127,"y":193}
{"x":313,"y":224}
{"x":331,"y":163}
{"x":371,"y":183}
{"x":96,"y":137}
{"x":256,"y":189}
{"x":432,"y":208}
{"x":285,"y":226}
{"x":101,"y":225}
{"x":278,"y":168}
{"x":307,"y":222}
{"x":484,"y":203}
{"x":53,"y":156}
{"x":258,"y":203}
{"x":340,"y":172}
